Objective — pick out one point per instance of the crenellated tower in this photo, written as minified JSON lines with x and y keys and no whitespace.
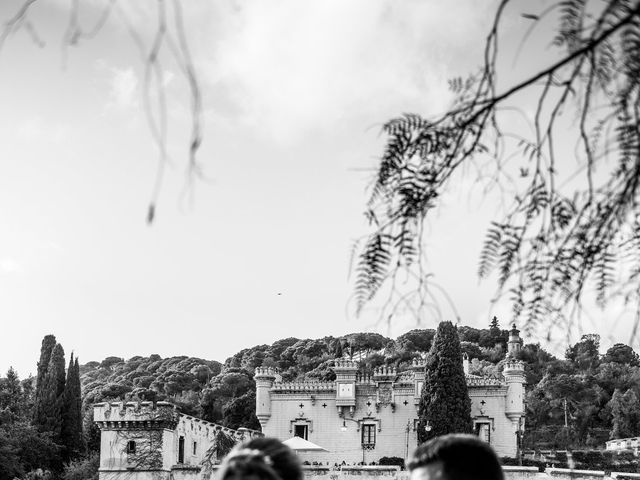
{"x":346,"y":371}
{"x":264,"y":377}
{"x":515,"y":377}
{"x":515,"y":342}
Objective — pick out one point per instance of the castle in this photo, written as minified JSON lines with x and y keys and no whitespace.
{"x":364,"y":418}
{"x":155,"y":442}
{"x":355,"y":418}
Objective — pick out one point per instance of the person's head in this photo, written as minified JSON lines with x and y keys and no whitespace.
{"x":455,"y":457}
{"x":261,"y":459}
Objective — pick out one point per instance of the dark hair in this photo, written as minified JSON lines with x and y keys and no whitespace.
{"x":261,"y":459}
{"x":462,"y":457}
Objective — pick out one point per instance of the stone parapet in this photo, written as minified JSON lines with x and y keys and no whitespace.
{"x":513,"y":367}
{"x":384,"y":373}
{"x":265,"y":372}
{"x":418,"y":363}
{"x":345,"y":364}
{"x":120,"y":415}
{"x":566,"y":473}
{"x":303,"y":387}
{"x":484,"y":382}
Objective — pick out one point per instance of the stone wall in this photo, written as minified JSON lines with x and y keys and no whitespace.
{"x":394,"y":473}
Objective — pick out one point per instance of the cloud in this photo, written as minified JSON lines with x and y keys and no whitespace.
{"x":292,"y":67}
{"x":123,"y":89}
{"x":38,"y":129}
{"x":10,"y":266}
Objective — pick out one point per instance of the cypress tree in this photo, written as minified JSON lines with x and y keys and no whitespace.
{"x":71,"y":434}
{"x":52,"y":394}
{"x":445,"y":406}
{"x":48,"y":342}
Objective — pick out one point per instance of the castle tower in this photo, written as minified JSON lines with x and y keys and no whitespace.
{"x":515,"y":342}
{"x":264,"y":377}
{"x":514,"y":375}
{"x":345,"y":385}
{"x":136,"y":439}
{"x":418,"y":366}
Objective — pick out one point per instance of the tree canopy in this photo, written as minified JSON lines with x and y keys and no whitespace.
{"x":445,"y":405}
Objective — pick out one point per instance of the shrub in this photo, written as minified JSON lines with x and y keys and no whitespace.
{"x":392,"y":461}
{"x":84,"y":469}
{"x":526,"y":462}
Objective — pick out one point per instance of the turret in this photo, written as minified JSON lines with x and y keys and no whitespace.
{"x":515,"y":342}
{"x":514,"y":375}
{"x":345,"y":384}
{"x":418,"y":367}
{"x":264,"y":377}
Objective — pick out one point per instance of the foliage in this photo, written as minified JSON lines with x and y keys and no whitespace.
{"x":585,"y":354}
{"x":50,"y":413}
{"x":625,"y":411}
{"x":220,"y":448}
{"x":71,"y":432}
{"x":48,"y":342}
{"x":445,"y":406}
{"x":622,"y":354}
{"x":84,"y":469}
{"x":392,"y":461}
{"x":563,"y":231}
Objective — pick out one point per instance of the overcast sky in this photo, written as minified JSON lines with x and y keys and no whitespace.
{"x":294,"y":95}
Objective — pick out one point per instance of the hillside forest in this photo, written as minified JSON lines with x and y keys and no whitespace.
{"x":575,"y":402}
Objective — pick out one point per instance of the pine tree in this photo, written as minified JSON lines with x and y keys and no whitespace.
{"x":49,"y":417}
{"x":445,"y":406}
{"x":71,"y":434}
{"x":12,"y":402}
{"x":48,"y":343}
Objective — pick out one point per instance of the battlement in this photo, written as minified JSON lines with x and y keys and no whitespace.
{"x":135,"y":414}
{"x":266,"y":372}
{"x":418,"y":363}
{"x":484,"y":382}
{"x":345,"y":364}
{"x":144,"y":415}
{"x":364,"y":379}
{"x":384,"y":373}
{"x":513,"y":366}
{"x":304,"y":387}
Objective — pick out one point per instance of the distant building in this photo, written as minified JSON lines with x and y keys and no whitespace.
{"x":364,"y":418}
{"x":143,"y":441}
{"x":618,"y":444}
{"x":356,"y":418}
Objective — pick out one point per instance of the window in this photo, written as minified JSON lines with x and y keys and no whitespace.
{"x":368,"y":434}
{"x":301,"y":431}
{"x":181,"y":450}
{"x":131,"y":446}
{"x":483,"y":430}
{"x":195,"y":448}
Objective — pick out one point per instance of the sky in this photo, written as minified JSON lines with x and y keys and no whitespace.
{"x":294,"y":95}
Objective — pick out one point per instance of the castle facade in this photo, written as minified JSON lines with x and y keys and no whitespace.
{"x":364,"y":418}
{"x":143,"y":441}
{"x":354,"y":419}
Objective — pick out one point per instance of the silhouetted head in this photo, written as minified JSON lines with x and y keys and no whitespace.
{"x":261,"y":459}
{"x":455,"y":457}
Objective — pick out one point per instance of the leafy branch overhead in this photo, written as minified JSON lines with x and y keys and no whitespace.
{"x":563,"y":232}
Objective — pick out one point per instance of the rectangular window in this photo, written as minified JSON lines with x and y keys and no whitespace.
{"x":483,"y":430}
{"x":181,"y":450}
{"x":195,"y":448}
{"x":368,"y":434}
{"x":131,"y":446}
{"x":301,"y":431}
